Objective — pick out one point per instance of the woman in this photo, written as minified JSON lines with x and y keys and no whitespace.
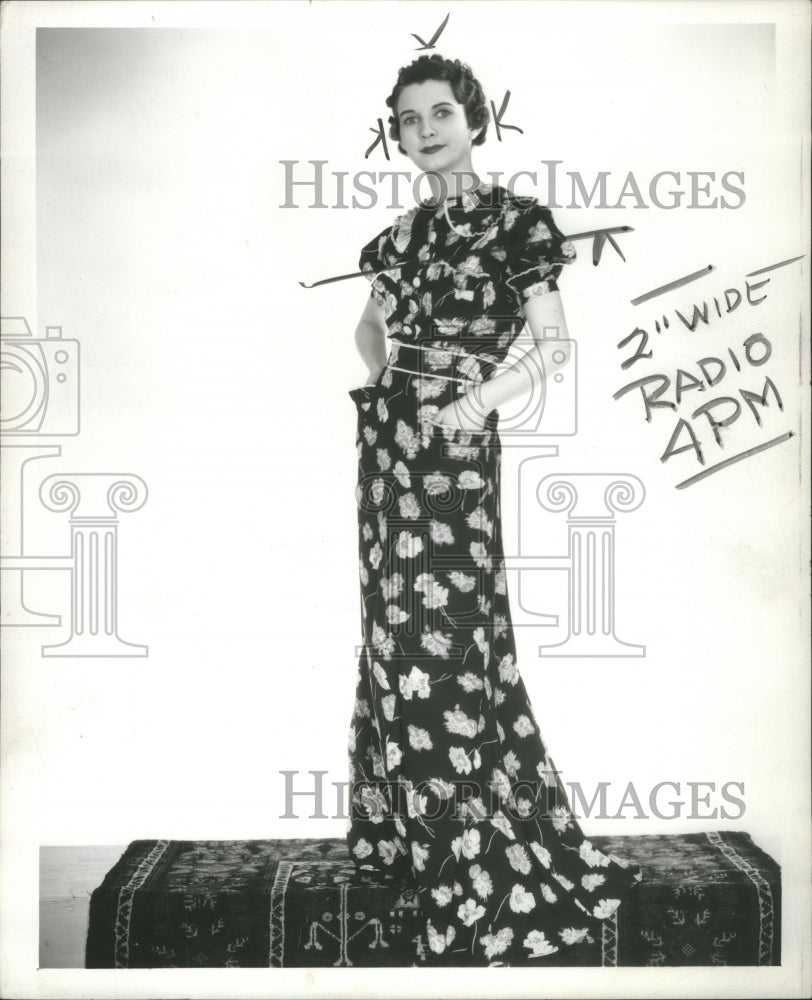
{"x":450,"y":783}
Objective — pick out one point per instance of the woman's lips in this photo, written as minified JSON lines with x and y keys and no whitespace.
{"x":431,"y":149}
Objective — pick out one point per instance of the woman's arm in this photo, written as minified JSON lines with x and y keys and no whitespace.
{"x":370,"y":338}
{"x":545,"y":318}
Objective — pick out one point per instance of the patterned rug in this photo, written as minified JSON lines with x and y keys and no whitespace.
{"x":706,"y":899}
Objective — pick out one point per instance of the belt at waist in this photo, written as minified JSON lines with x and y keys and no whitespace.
{"x":440,"y":360}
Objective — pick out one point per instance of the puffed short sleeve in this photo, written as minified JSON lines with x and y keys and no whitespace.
{"x":372,"y":260}
{"x":535,"y":248}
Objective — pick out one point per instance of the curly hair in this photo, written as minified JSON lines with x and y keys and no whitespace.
{"x":465,"y":86}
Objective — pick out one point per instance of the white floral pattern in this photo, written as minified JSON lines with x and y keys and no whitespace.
{"x":450,"y":783}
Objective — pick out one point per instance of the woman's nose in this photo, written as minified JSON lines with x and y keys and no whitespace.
{"x":427,"y":130}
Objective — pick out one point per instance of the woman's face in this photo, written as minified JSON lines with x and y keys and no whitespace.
{"x":433,"y":128}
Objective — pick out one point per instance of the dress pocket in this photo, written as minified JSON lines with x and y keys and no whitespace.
{"x":360,"y":393}
{"x":363,"y":393}
{"x":457,"y":435}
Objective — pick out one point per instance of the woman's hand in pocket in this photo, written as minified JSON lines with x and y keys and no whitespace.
{"x":462,"y":413}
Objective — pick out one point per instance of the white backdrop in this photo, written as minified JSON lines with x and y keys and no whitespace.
{"x":206,"y":369}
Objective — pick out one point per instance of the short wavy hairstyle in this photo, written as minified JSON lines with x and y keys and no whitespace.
{"x":466,"y":88}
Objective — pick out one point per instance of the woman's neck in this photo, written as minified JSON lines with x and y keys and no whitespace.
{"x":452,"y":184}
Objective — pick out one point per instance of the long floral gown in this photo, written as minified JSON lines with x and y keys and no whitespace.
{"x":450,"y":783}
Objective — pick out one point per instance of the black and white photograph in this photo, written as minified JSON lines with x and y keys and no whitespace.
{"x":405,"y":499}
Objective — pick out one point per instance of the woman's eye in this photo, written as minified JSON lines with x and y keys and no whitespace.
{"x":444,"y":112}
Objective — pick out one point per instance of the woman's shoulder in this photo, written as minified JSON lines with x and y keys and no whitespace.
{"x":395,"y":237}
{"x":401,"y":229}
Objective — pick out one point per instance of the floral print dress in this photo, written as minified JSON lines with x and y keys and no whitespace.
{"x":451,"y":785}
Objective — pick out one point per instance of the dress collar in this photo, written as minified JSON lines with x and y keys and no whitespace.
{"x":467,"y":201}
